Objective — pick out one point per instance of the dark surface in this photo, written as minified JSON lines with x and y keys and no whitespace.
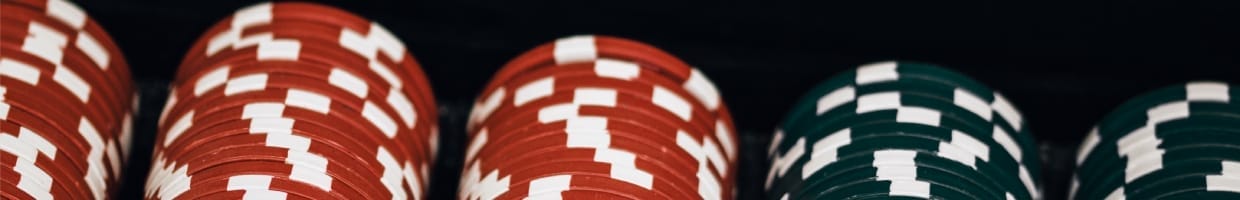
{"x":1064,"y":64}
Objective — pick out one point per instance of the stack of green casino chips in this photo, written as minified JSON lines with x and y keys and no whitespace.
{"x":902,"y":130}
{"x":1177,"y":142}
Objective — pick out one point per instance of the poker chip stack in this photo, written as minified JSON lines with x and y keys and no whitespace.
{"x":295,"y":100}
{"x":588,"y":117}
{"x":1177,"y":142}
{"x":902,"y":130}
{"x":66,"y":103}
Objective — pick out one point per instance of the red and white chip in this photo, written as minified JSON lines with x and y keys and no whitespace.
{"x":296,"y":100}
{"x":66,"y":99}
{"x":599,"y":116}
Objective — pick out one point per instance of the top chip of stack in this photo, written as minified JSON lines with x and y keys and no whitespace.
{"x":1177,"y":142}
{"x":288,"y":100}
{"x":588,"y":117}
{"x":66,"y":103}
{"x":902,"y":129}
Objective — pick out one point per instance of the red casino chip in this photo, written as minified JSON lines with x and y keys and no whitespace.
{"x":254,"y":194}
{"x":8,"y":186}
{"x":237,"y":134}
{"x":617,"y":69}
{"x":597,"y":110}
{"x":612,"y":133}
{"x":558,"y":111}
{"x":301,"y":92}
{"x":70,"y":123}
{"x":587,"y":48}
{"x":181,"y":182}
{"x":667,"y":156}
{"x":579,"y":174}
{"x":594,"y":94}
{"x":37,"y":175}
{"x":22,"y":184}
{"x":64,"y":78}
{"x":646,"y":165}
{"x":65,"y":143}
{"x":559,"y":107}
{"x":285,"y":49}
{"x":300,"y":114}
{"x":303,"y":30}
{"x":309,"y":128}
{"x":34,"y":143}
{"x":612,"y":73}
{"x":259,"y":77}
{"x":664,"y":114}
{"x":723,"y":132}
{"x":414,"y":72}
{"x":616,"y":91}
{"x":579,"y":49}
{"x":303,"y":33}
{"x":218,"y":177}
{"x":474,"y":186}
{"x":416,"y":81}
{"x":35,"y":37}
{"x":351,"y":85}
{"x":231,"y":28}
{"x":582,"y":193}
{"x":42,"y":179}
{"x":673,"y":131}
{"x":665,"y":132}
{"x":621,"y":127}
{"x":349,"y":31}
{"x":348,"y":81}
{"x":52,"y":88}
{"x":330,"y":55}
{"x":309,"y":125}
{"x":91,"y":145}
{"x":316,"y":163}
{"x":101,"y":49}
{"x":53,"y":110}
{"x":343,"y":84}
{"x":81,"y":87}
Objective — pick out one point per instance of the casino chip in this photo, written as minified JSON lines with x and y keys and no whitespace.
{"x":295,"y":100}
{"x":1177,"y":142}
{"x":902,"y":130}
{"x":66,"y":103}
{"x":599,"y":115}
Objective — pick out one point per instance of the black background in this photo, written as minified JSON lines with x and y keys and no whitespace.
{"x":1063,"y":63}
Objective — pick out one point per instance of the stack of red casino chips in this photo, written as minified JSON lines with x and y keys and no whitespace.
{"x":599,"y":117}
{"x":66,"y":103}
{"x":296,"y":100}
